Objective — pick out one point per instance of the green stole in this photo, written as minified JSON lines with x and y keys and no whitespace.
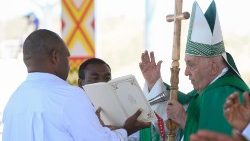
{"x":145,"y":134}
{"x":205,"y":110}
{"x":149,"y":134}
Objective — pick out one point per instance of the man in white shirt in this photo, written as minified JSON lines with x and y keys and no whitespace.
{"x":46,"y":108}
{"x":238,"y":115}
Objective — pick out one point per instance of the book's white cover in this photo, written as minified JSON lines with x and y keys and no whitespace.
{"x":119,"y":99}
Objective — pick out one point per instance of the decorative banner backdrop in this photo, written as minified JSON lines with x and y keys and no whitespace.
{"x":78,"y":25}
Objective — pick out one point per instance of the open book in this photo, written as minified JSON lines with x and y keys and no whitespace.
{"x":119,"y":99}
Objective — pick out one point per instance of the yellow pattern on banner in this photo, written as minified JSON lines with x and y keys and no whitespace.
{"x":78,"y":32}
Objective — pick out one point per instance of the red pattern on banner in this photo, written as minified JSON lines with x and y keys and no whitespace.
{"x":62,"y":24}
{"x":77,"y":24}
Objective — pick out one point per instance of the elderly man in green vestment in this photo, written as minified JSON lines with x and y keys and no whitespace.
{"x":211,"y":70}
{"x":237,"y":114}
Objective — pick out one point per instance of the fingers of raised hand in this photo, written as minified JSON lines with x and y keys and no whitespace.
{"x":152,"y":58}
{"x":209,"y":136}
{"x":227,"y":105}
{"x":145,"y":57}
{"x":234,"y":97}
{"x":159,"y":65}
{"x":246,"y":100}
{"x":231,"y":100}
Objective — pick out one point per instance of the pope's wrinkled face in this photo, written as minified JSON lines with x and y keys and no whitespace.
{"x":198,"y":69}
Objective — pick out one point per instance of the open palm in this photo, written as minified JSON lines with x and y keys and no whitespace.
{"x":150,"y":70}
{"x":237,"y":114}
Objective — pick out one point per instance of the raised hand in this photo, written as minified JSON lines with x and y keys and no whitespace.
{"x":176,"y":112}
{"x":212,"y":136}
{"x":237,"y":114}
{"x":132,"y":124}
{"x":150,"y":70}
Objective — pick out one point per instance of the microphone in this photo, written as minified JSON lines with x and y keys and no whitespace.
{"x":164,"y":96}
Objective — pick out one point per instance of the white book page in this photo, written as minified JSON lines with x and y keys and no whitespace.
{"x":132,"y":98}
{"x":102,"y":95}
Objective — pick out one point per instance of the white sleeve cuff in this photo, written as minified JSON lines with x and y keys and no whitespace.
{"x":159,"y":108}
{"x":246,"y":132}
{"x":122,"y":134}
{"x":158,"y":88}
{"x":134,"y":137}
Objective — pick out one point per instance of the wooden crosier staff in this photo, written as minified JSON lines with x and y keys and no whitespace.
{"x":174,"y":80}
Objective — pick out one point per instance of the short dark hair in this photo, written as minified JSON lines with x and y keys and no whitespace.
{"x":40,"y":43}
{"x":84,"y":65}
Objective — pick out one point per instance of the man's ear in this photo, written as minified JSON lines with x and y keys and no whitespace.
{"x":54,"y":56}
{"x":214,"y":69}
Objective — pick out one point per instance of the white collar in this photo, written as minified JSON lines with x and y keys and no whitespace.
{"x":221,"y":74}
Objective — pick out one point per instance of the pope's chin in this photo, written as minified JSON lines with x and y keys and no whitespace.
{"x":195,"y":86}
{"x":192,"y":82}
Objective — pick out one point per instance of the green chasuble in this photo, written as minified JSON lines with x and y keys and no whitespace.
{"x":205,"y":110}
{"x":149,"y":134}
